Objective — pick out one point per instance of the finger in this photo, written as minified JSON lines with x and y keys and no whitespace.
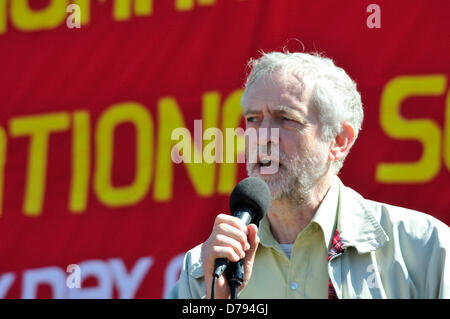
{"x":230,"y":220}
{"x":233,"y":232}
{"x":225,"y":252}
{"x":251,"y":253}
{"x":222,"y":240}
{"x":222,"y":290}
{"x":253,"y":237}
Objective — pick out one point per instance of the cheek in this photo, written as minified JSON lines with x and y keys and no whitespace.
{"x":302,"y":144}
{"x":293,"y":140}
{"x":289,"y":144}
{"x":251,"y":142}
{"x":322,"y":149}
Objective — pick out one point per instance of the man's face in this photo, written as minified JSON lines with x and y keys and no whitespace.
{"x":276,"y":101}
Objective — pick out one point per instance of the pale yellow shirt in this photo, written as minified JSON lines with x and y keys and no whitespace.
{"x":304,"y":274}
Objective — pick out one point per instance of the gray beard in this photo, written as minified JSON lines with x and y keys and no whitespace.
{"x":296,"y":178}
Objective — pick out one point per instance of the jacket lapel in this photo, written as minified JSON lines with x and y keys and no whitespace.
{"x":358,"y":227}
{"x":357,"y":224}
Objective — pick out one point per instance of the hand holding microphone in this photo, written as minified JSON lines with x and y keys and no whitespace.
{"x":234,"y":240}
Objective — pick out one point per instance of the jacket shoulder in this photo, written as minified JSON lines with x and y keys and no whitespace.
{"x":411,"y":223}
{"x":414,"y":261}
{"x":190,"y":285}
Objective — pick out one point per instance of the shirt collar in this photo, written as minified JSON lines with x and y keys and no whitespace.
{"x":265,"y":234}
{"x":325,"y":217}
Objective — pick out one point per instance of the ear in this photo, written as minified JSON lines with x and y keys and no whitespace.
{"x":342,"y":142}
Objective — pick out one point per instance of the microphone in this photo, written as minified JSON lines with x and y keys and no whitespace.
{"x":249,"y":201}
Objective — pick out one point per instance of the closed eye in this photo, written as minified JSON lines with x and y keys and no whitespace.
{"x":288,"y":119}
{"x":290,"y":122}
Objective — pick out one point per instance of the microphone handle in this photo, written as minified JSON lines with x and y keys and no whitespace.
{"x":235,"y":276}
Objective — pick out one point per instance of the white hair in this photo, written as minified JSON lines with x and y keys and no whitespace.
{"x":333,"y":93}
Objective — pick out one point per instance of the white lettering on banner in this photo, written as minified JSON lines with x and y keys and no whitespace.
{"x":101,"y":271}
{"x":172,"y":273}
{"x":6,"y":280}
{"x":128,"y":284}
{"x":53,"y":276}
{"x":108,"y":274}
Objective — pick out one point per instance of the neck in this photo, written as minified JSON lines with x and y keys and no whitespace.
{"x":288,"y":217}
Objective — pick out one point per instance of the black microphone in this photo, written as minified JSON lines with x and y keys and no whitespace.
{"x":249,"y":202}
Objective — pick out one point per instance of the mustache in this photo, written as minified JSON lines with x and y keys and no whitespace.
{"x":255,"y":154}
{"x":279,"y":162}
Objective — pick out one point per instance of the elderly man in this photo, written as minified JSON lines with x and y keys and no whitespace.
{"x":319,"y":238}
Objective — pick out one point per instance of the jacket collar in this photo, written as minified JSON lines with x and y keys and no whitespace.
{"x":357,"y":224}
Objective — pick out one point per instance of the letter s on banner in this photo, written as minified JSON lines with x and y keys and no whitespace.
{"x":424,"y":130}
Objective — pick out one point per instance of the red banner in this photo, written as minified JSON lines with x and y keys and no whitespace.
{"x":91,"y":92}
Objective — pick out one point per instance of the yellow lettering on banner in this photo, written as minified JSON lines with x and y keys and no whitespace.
{"x":3,"y":142}
{"x":122,"y":9}
{"x":231,"y":118}
{"x":80,"y":162}
{"x":143,"y":7}
{"x":85,"y":10}
{"x":426,"y":131}
{"x":2,"y":16}
{"x":446,"y":150}
{"x":202,"y":175}
{"x":38,"y":127}
{"x":211,"y":103}
{"x":26,"y":19}
{"x":138,"y":115}
{"x":184,"y":5}
{"x":183,"y":147}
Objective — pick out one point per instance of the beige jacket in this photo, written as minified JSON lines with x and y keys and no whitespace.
{"x":392,"y":252}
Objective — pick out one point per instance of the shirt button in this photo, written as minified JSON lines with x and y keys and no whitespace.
{"x":294,"y":286}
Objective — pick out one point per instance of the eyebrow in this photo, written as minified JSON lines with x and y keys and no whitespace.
{"x":280,"y":109}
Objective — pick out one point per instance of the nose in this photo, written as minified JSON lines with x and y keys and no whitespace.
{"x":263,"y":140}
{"x":268,"y":133}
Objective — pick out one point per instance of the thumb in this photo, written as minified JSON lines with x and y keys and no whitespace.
{"x":253,"y":240}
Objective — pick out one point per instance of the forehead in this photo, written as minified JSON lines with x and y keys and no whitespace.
{"x":275,"y":89}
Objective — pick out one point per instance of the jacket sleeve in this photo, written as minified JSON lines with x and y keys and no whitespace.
{"x":417,"y":258}
{"x":426,"y":251}
{"x":438,"y":265}
{"x":191,"y":284}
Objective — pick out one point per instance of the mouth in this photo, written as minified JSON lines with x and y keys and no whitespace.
{"x":268,"y":162}
{"x":265,"y":162}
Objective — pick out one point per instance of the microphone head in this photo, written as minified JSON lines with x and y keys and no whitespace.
{"x":253,"y":194}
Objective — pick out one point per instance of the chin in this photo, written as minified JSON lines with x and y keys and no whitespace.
{"x":276,"y":182}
